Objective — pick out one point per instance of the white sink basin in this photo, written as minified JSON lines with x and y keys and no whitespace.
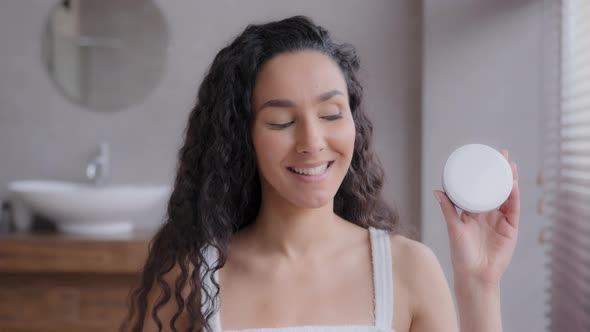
{"x":86,"y":209}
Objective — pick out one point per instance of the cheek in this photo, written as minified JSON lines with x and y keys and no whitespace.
{"x":271,"y":147}
{"x":344,"y":138}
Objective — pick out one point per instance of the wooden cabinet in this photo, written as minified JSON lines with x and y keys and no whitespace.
{"x":57,"y":282}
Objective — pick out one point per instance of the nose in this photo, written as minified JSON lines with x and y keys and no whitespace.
{"x":310,"y":137}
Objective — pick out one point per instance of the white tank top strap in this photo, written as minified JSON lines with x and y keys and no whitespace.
{"x":382,"y":278}
{"x":211,"y":257}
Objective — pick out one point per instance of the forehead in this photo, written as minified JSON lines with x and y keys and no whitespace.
{"x":299,"y":76}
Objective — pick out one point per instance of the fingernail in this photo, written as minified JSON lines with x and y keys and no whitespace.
{"x":436,"y":196}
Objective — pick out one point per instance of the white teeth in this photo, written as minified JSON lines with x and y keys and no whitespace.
{"x":311,"y":171}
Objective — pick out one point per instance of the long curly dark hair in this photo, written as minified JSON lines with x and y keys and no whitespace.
{"x":217,"y":188}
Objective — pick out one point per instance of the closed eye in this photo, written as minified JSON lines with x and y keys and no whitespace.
{"x":332,"y":117}
{"x":280,"y":125}
{"x":287,"y":124}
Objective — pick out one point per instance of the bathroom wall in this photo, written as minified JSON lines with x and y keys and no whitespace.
{"x":485,"y":80}
{"x":481,"y":71}
{"x":42,"y":135}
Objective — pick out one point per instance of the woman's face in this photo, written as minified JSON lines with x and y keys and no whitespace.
{"x":303,"y":131}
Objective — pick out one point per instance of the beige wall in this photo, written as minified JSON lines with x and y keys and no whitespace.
{"x":42,"y":135}
{"x":483,"y":77}
{"x":481,"y":73}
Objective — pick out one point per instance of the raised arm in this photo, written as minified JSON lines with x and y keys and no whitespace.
{"x":482,"y":245}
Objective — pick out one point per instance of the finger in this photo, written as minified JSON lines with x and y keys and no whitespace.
{"x":511,"y":208}
{"x":512,"y":164}
{"x":514,"y":171}
{"x":505,"y":153}
{"x":504,"y":228}
{"x":448,"y":209}
{"x":466,"y":215}
{"x":504,"y":207}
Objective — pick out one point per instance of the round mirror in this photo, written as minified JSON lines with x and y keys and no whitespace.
{"x":105,"y":55}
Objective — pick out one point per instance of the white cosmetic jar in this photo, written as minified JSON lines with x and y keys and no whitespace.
{"x":477,"y":178}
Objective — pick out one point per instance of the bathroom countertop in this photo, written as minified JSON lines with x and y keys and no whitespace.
{"x":60,"y":282}
{"x":63,"y":253}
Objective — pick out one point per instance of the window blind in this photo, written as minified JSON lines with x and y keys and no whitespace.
{"x":565,"y":174}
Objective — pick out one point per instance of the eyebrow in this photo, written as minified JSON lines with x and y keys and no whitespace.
{"x":287,"y":103}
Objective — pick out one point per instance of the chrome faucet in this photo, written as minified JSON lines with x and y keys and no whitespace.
{"x":98,"y":168}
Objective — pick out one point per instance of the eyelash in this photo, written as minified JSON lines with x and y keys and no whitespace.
{"x":285,"y":125}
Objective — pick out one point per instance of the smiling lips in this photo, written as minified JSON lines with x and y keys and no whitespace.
{"x":312,"y":171}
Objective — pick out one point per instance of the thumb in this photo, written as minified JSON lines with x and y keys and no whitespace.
{"x":448,"y":209}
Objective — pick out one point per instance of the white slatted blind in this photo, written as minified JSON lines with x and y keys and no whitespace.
{"x":565,"y":176}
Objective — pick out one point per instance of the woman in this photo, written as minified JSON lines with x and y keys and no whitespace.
{"x":276,"y":219}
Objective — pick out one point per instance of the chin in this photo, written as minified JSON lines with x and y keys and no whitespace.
{"x":313,"y":201}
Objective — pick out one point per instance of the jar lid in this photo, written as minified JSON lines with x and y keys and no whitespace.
{"x":477,"y":178}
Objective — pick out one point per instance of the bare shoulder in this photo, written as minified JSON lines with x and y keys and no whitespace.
{"x":414,"y":264}
{"x":412,"y":255}
{"x":420,"y":276}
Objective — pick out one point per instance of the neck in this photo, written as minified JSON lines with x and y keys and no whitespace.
{"x":294,"y":232}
